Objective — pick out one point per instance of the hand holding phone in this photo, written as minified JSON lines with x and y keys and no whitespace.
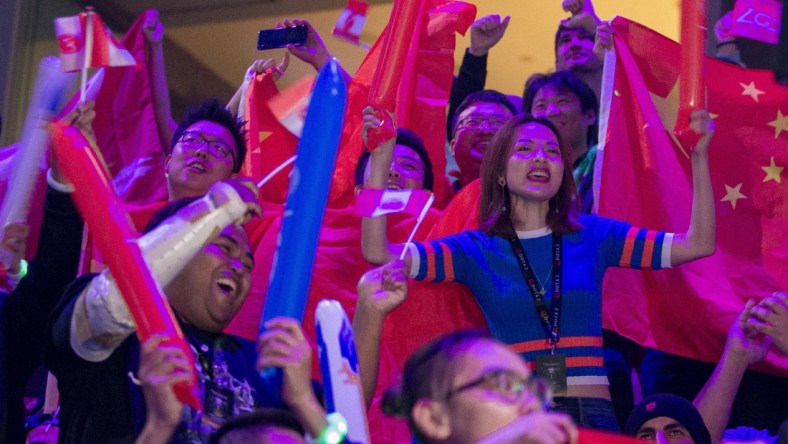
{"x":282,"y":37}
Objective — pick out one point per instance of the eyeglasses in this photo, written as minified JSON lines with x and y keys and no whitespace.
{"x":509,"y":386}
{"x":475,"y":122}
{"x":194,"y":141}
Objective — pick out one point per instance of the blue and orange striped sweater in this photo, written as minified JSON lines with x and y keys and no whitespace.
{"x":487,"y":266}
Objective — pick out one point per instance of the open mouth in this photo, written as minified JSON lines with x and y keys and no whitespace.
{"x":227,"y":285}
{"x":196,"y":165}
{"x":393,"y":186}
{"x":538,"y":175}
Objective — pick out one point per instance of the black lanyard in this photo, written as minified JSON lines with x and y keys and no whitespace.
{"x":550,"y":320}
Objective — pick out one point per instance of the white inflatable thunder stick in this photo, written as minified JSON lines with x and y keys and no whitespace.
{"x":48,"y":92}
{"x":339,"y":365}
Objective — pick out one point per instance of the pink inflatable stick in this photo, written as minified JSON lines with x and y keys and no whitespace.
{"x":692,"y":88}
{"x":111,"y":226}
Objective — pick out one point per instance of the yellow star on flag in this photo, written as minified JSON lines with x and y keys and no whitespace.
{"x":773,"y":172}
{"x":733,"y":194}
{"x":751,"y":90}
{"x":780,"y":124}
{"x":263,"y":135}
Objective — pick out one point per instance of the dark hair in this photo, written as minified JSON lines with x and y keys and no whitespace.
{"x":167,"y":211}
{"x":212,"y":110}
{"x":486,"y":95}
{"x":428,"y":374}
{"x":565,"y":81}
{"x":562,"y":29}
{"x":411,"y":140}
{"x":495,"y":199}
{"x":260,"y":418}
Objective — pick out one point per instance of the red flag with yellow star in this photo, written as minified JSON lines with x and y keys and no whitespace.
{"x":269,"y":142}
{"x":645,"y":178}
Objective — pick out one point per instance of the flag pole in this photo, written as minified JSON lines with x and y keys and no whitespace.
{"x":276,"y":171}
{"x":88,"y":53}
{"x":418,"y":224}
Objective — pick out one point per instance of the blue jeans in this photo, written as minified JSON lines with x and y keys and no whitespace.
{"x":595,"y":413}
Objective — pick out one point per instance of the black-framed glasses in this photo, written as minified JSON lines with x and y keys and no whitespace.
{"x":194,"y":140}
{"x":476,"y":122}
{"x":508,"y":386}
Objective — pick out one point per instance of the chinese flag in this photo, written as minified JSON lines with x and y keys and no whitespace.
{"x":269,"y":142}
{"x":645,"y":178}
{"x":125,"y":127}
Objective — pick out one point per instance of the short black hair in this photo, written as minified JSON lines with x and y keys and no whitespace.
{"x":167,"y":211}
{"x":485,"y":95}
{"x":564,"y":81}
{"x":411,"y":140}
{"x":263,"y":417}
{"x":212,"y":110}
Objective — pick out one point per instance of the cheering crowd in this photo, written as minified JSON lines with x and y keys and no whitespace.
{"x":477,"y":320}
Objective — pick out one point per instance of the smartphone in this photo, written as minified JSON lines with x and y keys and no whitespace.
{"x":281,"y":37}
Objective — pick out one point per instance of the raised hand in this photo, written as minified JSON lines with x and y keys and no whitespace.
{"x":744,"y":340}
{"x":703,"y":125}
{"x":248,"y":191}
{"x":313,"y":51}
{"x":277,"y":71}
{"x":722,"y":29}
{"x":383,"y":289}
{"x":161,"y":367}
{"x":378,"y":129}
{"x":486,"y":32}
{"x":603,"y":40}
{"x":283,"y":345}
{"x":15,"y":242}
{"x":583,"y":15}
{"x":152,"y":29}
{"x":770,"y":317}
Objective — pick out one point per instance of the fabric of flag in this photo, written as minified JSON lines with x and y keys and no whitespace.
{"x":351,"y":22}
{"x":757,"y":20}
{"x":269,"y":143}
{"x":422,"y":99}
{"x":290,"y":105}
{"x":72,"y":34}
{"x":125,"y":128}
{"x":645,"y":179}
{"x":375,"y":202}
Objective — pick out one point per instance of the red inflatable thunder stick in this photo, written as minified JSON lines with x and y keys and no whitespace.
{"x":108,"y":221}
{"x":383,"y":90}
{"x":692,"y":88}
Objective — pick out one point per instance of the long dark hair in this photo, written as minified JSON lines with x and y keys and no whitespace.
{"x":428,"y":374}
{"x":495,"y":204}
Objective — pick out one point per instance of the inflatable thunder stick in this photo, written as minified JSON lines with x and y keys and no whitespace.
{"x":400,"y":28}
{"x":336,"y":348}
{"x":105,"y":217}
{"x":388,"y":74}
{"x":692,"y":91}
{"x":50,"y":87}
{"x":306,"y":199}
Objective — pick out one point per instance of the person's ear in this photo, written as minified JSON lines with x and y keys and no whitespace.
{"x":432,"y":419}
{"x":167,"y":164}
{"x":589,"y":117}
{"x":451,"y":145}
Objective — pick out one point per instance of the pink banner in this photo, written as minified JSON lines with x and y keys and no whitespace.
{"x":757,"y":20}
